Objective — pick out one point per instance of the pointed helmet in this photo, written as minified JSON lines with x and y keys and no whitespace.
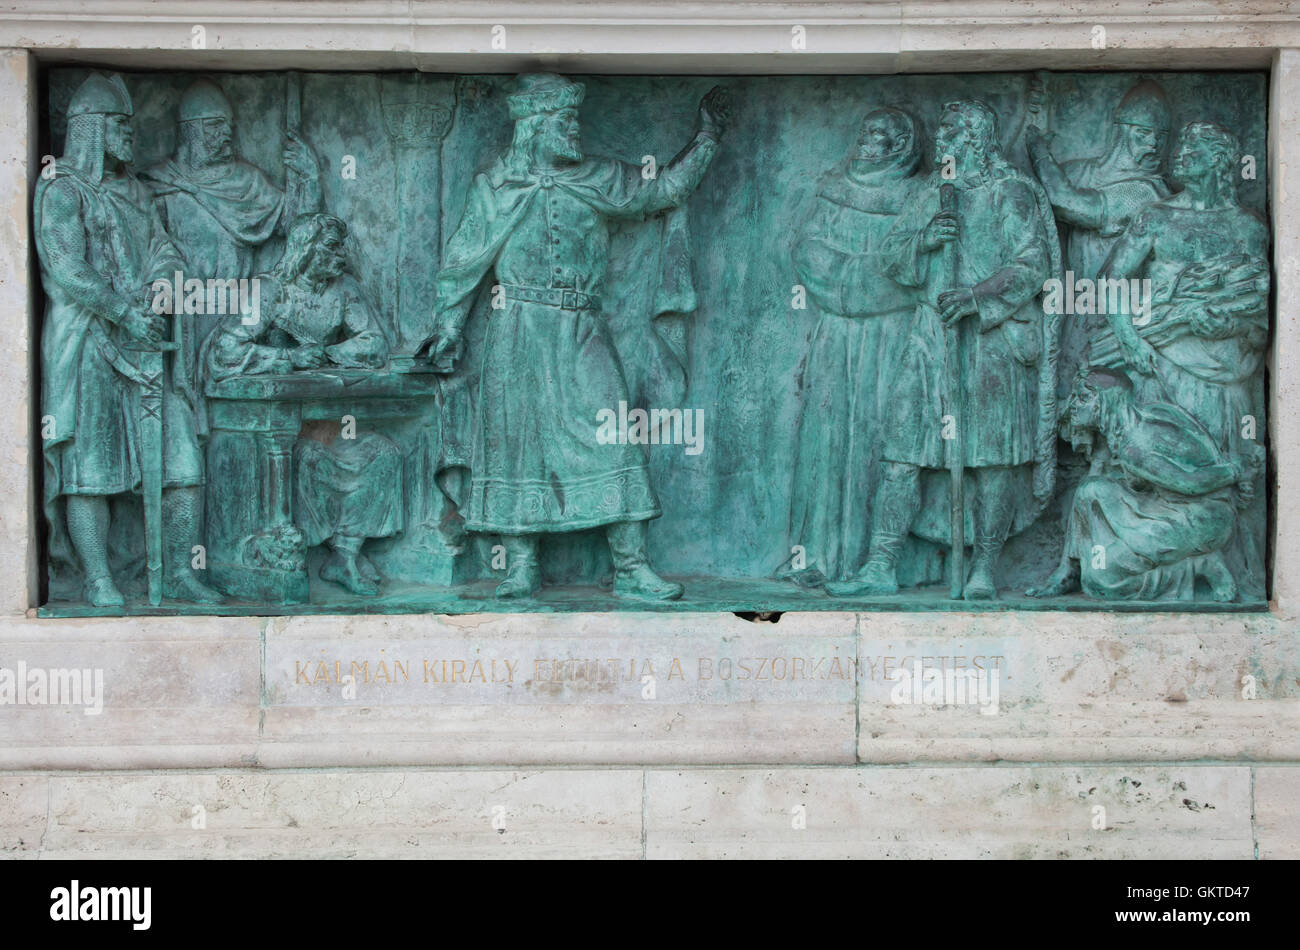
{"x":101,"y":95}
{"x":1145,"y":104}
{"x":205,"y":100}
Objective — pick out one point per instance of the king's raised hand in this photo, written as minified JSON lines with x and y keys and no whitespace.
{"x":715,"y":111}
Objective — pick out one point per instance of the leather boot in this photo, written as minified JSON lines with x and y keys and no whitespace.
{"x":981,"y":585}
{"x":523,"y":573}
{"x":878,"y":575}
{"x":633,"y":577}
{"x":993,"y":513}
{"x":897,"y":501}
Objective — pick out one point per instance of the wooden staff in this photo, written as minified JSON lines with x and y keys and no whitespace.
{"x":956,"y":406}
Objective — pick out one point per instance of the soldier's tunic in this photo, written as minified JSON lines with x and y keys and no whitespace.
{"x":549,"y":365}
{"x":218,"y":215}
{"x":100,"y":246}
{"x":1124,"y":195}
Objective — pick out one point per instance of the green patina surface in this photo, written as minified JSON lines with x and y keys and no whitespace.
{"x":404,"y":343}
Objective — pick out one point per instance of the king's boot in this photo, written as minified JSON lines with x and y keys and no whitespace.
{"x":523,"y":573}
{"x":633,"y":578}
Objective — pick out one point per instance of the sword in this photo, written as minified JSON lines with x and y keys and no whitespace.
{"x":151,"y":459}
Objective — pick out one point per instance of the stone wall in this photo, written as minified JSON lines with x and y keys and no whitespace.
{"x":619,"y":735}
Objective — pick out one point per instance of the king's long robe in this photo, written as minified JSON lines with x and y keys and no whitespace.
{"x":550,"y":367}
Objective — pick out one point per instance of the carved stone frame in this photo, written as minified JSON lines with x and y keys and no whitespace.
{"x":624,"y":37}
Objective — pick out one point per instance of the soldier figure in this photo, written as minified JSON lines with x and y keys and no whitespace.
{"x":1097,"y":197}
{"x":221,"y":209}
{"x":101,"y":243}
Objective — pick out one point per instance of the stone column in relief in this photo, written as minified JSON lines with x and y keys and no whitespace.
{"x":1284,"y":427}
{"x":19,"y":166}
{"x":417,"y":113}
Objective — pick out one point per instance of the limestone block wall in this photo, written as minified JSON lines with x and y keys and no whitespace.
{"x":536,"y":734}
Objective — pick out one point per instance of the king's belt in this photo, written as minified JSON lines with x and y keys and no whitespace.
{"x":561,"y":299}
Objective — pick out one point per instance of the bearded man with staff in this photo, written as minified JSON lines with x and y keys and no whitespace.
{"x":1002,"y":413}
